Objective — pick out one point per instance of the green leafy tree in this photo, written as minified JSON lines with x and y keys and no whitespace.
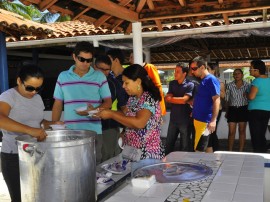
{"x":32,"y":13}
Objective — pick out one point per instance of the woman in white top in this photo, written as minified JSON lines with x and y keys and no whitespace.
{"x":237,"y":109}
{"x":21,"y":113}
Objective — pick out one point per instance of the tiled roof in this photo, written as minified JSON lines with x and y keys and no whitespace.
{"x":16,"y":26}
{"x":80,"y":28}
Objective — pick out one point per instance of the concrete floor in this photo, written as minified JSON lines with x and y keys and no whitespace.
{"x":4,"y":195}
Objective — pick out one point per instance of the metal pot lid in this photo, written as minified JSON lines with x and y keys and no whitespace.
{"x":174,"y":172}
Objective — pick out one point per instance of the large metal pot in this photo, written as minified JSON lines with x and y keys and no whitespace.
{"x":62,"y":168}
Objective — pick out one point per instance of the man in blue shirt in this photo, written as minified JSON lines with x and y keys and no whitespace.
{"x":206,"y":102}
{"x":82,"y":86}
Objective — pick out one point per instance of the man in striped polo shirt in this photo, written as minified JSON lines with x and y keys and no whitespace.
{"x":82,"y":86}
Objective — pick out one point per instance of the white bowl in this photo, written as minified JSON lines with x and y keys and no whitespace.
{"x":92,"y":112}
{"x":58,"y":126}
{"x":120,"y":143}
{"x":80,"y":109}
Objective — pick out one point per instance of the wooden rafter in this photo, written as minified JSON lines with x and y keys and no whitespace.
{"x":152,"y":7}
{"x":140,"y":5}
{"x":63,"y":11}
{"x":45,"y":4}
{"x":106,"y":17}
{"x":199,"y":11}
{"x":111,"y":9}
{"x":81,"y":13}
{"x":182,"y":3}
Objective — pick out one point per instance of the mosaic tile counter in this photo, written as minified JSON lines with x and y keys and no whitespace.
{"x":235,"y":178}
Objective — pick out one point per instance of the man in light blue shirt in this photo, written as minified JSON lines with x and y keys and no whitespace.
{"x":82,"y":86}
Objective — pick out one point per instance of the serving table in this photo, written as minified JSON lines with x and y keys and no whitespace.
{"x":235,"y":178}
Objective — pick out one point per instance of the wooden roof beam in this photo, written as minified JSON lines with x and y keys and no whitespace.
{"x":264,"y":15}
{"x":81,"y":13}
{"x":226,"y":18}
{"x":45,"y":4}
{"x":111,"y":9}
{"x":152,"y":7}
{"x":182,"y":3}
{"x":106,"y":17}
{"x":116,"y":24}
{"x":182,"y":14}
{"x":140,"y":5}
{"x":29,"y":2}
{"x":220,"y":2}
{"x":57,"y":9}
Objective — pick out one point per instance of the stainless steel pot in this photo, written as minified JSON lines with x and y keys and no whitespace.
{"x":62,"y":168}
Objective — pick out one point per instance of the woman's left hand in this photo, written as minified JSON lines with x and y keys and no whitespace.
{"x":104,"y":113}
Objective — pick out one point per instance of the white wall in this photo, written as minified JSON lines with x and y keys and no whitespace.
{"x":222,"y":130}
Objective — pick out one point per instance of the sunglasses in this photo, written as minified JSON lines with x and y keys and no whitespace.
{"x":194,"y":68}
{"x":82,"y":59}
{"x":32,"y":88}
{"x":102,"y":69}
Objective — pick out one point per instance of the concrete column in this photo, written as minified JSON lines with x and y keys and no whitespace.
{"x":137,"y":42}
{"x":3,"y":64}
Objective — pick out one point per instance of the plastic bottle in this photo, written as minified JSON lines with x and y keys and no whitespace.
{"x":206,"y":132}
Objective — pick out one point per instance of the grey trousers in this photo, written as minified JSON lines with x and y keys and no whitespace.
{"x":110,"y":146}
{"x":98,"y":145}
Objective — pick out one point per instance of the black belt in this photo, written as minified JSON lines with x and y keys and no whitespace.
{"x":238,"y":106}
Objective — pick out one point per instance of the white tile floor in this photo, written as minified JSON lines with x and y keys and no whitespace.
{"x":4,"y":195}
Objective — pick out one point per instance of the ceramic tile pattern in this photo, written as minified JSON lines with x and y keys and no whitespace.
{"x":235,"y":178}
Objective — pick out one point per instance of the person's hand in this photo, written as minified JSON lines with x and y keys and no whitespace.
{"x":83,"y":113}
{"x":103,"y":114}
{"x":168,"y":98}
{"x":211,"y":126}
{"x":57,"y":122}
{"x":38,"y":133}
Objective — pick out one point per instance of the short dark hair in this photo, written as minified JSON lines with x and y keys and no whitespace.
{"x":260,"y":65}
{"x":103,"y":59}
{"x":214,"y":66}
{"x":200,"y":61}
{"x":29,"y":70}
{"x":184,"y":66}
{"x":83,"y":46}
{"x":240,"y":70}
{"x":116,"y":53}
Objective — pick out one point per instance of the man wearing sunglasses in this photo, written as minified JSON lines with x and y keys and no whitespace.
{"x":206,"y":103}
{"x":111,"y":128}
{"x":82,"y":86}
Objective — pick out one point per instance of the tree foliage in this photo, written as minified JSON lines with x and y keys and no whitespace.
{"x":31,"y":12}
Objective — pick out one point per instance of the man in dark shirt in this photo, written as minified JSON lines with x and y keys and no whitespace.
{"x":110,"y":128}
{"x":180,"y":91}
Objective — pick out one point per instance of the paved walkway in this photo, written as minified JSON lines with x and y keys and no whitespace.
{"x":4,"y":195}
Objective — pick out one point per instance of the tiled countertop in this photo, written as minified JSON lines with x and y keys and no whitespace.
{"x":235,"y":178}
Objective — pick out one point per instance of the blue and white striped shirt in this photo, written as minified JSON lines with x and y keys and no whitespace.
{"x":76,"y":91}
{"x":236,"y":96}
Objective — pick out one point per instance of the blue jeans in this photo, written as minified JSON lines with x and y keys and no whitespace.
{"x":174,"y":130}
